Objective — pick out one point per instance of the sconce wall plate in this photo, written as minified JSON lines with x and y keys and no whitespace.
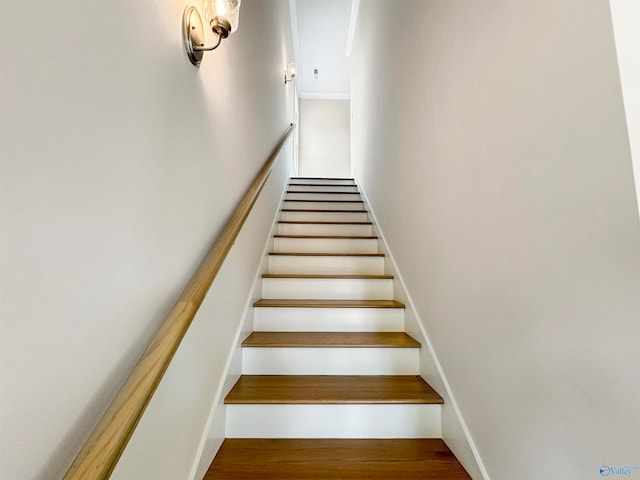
{"x":192,"y":34}
{"x":222,"y":16}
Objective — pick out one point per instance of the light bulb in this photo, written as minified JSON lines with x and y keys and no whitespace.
{"x":223,"y":15}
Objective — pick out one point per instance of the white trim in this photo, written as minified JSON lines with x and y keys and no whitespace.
{"x":293,"y":18}
{"x":285,"y":319}
{"x":330,"y":361}
{"x":353,"y":23}
{"x":409,"y":304}
{"x":257,"y":285}
{"x":334,"y":421}
{"x":325,"y":96}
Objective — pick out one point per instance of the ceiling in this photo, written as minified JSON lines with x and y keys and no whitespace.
{"x":322,"y":28}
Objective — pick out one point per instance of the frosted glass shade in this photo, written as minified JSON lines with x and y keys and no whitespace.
{"x":229,"y":10}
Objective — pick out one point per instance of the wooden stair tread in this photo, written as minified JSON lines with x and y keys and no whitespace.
{"x":303,"y":210}
{"x":323,"y":192}
{"x":321,"y":185}
{"x":327,"y":254}
{"x":311,"y":303}
{"x":332,"y":390}
{"x":251,"y":458}
{"x":322,"y":201}
{"x":328,"y":276}
{"x":333,"y":459}
{"x":289,"y":222}
{"x":331,"y":340}
{"x":321,"y":178}
{"x":368,"y":237}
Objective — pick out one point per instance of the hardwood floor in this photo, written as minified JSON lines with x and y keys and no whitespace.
{"x":324,"y":223}
{"x":322,"y":192}
{"x":299,"y":275}
{"x":331,"y":459}
{"x":332,"y":389}
{"x":316,"y":211}
{"x":324,"y":201}
{"x":330,"y":339}
{"x":355,"y":237}
{"x":293,"y":303}
{"x":328,"y":254}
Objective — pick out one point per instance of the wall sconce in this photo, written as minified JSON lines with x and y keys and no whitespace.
{"x":290,"y":73}
{"x":223,"y":17}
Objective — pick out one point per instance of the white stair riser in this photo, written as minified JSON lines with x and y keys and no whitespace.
{"x":339,"y":265}
{"x":324,"y":196}
{"x":324,"y":217}
{"x":334,"y":421}
{"x":323,"y":188}
{"x":329,"y":361}
{"x":326,"y":245}
{"x":291,"y":319}
{"x":328,"y":288}
{"x":297,"y":205}
{"x":323,"y":229}
{"x":322,"y":181}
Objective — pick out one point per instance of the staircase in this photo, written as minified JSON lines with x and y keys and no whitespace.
{"x":330,"y":386}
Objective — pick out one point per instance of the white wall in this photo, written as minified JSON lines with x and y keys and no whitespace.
{"x":120,"y":164}
{"x":454,"y":431}
{"x":322,"y":32}
{"x":325,"y":141}
{"x":173,"y":438}
{"x":493,"y":148}
{"x":625,"y":15}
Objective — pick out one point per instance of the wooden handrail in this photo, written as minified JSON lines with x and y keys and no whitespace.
{"x":101,"y":452}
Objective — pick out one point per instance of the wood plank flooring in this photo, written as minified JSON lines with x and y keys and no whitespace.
{"x":322,"y":192}
{"x":296,"y":303}
{"x":323,"y":223}
{"x":316,"y":211}
{"x":332,"y":389}
{"x":301,"y":275}
{"x":367,"y":237}
{"x":323,"y":201}
{"x":331,"y":339}
{"x":328,"y":254}
{"x":306,"y":459}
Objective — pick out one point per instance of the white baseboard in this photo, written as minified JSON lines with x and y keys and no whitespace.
{"x":466,"y":453}
{"x":214,"y":432}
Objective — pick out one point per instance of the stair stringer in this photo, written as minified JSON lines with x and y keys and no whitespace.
{"x":455,"y":432}
{"x":214,"y":433}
